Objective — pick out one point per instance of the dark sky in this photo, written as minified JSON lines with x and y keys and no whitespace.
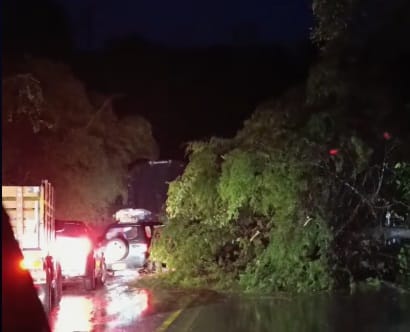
{"x":189,"y":22}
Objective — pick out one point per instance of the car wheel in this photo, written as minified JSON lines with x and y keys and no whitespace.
{"x":150,"y":266}
{"x":103,"y":275}
{"x":89,"y":280}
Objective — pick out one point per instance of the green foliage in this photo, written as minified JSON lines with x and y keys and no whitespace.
{"x":295,"y":260}
{"x":326,"y":84}
{"x":403,"y":179}
{"x":271,"y":209}
{"x":320,"y":127}
{"x":237,"y":182}
{"x":332,"y":17}
{"x":200,"y":176}
{"x":55,"y":131}
{"x":237,"y":214}
{"x":404,"y":266}
{"x":289,"y":215}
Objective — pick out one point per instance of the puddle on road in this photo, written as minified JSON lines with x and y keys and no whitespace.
{"x":127,"y":308}
{"x":120,"y":307}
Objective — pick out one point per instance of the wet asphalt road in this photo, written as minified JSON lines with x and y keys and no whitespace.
{"x":120,"y":307}
{"x":114,"y":307}
{"x":324,"y":313}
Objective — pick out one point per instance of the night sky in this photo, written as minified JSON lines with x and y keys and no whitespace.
{"x":189,"y":23}
{"x":186,"y":94}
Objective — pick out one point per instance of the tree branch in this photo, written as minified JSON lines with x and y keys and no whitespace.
{"x":381,"y":178}
{"x":106,"y":102}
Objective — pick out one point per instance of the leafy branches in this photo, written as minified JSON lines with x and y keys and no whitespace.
{"x":296,"y":199}
{"x":289,"y":203}
{"x":332,"y":20}
{"x":402,"y":180}
{"x":241,"y":200}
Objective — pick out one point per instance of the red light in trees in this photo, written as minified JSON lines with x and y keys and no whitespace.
{"x":386,"y":135}
{"x":333,"y":152}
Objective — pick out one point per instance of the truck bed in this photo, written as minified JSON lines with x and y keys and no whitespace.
{"x":30,"y":209}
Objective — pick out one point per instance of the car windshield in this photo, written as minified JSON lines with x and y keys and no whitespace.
{"x":71,"y":229}
{"x":127,"y":232}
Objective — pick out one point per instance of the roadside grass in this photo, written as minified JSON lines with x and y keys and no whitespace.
{"x":157,"y":281}
{"x":167,"y":294}
{"x":172,"y":281}
{"x":169,"y":288}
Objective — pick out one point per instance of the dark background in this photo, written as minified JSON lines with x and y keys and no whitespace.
{"x":192,"y":71}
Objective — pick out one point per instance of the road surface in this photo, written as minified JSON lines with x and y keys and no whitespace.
{"x":115,"y":307}
{"x":120,"y":307}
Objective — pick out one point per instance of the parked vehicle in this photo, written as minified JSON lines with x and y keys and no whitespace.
{"x":148,"y":183}
{"x":17,"y":288}
{"x":127,"y":242}
{"x":79,"y":254}
{"x":31,"y":212}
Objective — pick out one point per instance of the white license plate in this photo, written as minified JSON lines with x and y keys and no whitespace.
{"x":119,"y":266}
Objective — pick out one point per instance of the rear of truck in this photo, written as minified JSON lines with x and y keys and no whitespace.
{"x":31,"y":212}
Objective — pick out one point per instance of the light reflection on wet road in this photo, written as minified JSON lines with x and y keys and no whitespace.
{"x":115,"y":307}
{"x":119,"y":307}
{"x":75,"y":314}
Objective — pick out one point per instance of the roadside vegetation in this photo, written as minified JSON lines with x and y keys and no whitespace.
{"x":280,"y":207}
{"x":54,"y":128}
{"x":297,"y":199}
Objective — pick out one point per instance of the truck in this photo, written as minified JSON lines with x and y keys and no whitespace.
{"x":148,"y":183}
{"x":32,"y":217}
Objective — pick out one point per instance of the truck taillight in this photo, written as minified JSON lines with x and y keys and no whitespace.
{"x":84,"y":245}
{"x":31,"y":263}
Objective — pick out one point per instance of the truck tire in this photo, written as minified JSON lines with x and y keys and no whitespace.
{"x":103,"y":276}
{"x":48,"y":298}
{"x":48,"y":292}
{"x":89,"y":279}
{"x":58,"y":288}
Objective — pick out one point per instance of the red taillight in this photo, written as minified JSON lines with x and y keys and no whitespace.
{"x":73,"y":246}
{"x":29,"y":263}
{"x":84,"y":245}
{"x":333,"y":152}
{"x":387,"y":136}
